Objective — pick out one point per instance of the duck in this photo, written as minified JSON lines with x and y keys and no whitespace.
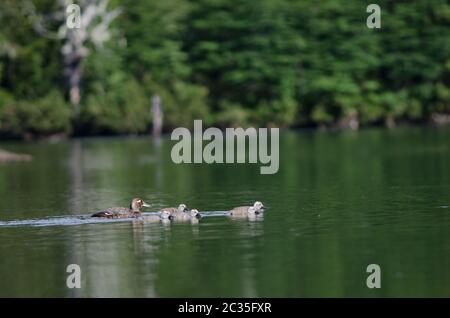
{"x":162,"y":216}
{"x":176,"y":212}
{"x":186,"y":216}
{"x":195,"y":214}
{"x":252,"y":214}
{"x":257,"y":208}
{"x":121,"y":212}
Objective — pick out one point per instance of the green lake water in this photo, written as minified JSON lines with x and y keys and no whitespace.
{"x":340,"y":202}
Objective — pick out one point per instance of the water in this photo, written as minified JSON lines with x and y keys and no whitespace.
{"x":339,"y":202}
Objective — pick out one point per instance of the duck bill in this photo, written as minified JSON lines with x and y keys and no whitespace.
{"x":146,"y":205}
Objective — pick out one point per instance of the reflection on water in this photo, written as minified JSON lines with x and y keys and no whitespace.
{"x":339,"y":202}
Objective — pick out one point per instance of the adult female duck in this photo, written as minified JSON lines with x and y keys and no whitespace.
{"x":119,"y":212}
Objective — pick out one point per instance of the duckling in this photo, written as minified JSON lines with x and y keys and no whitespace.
{"x":166,"y":215}
{"x":253,"y":215}
{"x":162,"y":216}
{"x":252,"y":211}
{"x":176,"y":212}
{"x":120,"y":212}
{"x":186,"y":216}
{"x":258,"y":207}
{"x":195,"y":214}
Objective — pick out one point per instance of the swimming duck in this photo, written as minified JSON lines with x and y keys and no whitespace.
{"x":195,"y":214}
{"x":257,"y":208}
{"x":162,"y":216}
{"x":186,"y":216}
{"x":120,"y":212}
{"x":252,"y":214}
{"x":182,"y":208}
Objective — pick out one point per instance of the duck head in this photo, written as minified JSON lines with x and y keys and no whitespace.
{"x":166,"y":215}
{"x":258,"y":206}
{"x":252,"y":211}
{"x":182,"y":208}
{"x":195,"y":214}
{"x":136,"y":204}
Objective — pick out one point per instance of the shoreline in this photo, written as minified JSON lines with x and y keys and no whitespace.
{"x":442,"y":121}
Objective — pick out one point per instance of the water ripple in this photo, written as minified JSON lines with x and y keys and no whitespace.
{"x":86,"y":219}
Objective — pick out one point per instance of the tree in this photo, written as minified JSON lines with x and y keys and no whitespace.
{"x":95,"y":20}
{"x":247,"y":55}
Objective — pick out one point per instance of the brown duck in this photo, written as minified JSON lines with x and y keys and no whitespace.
{"x":120,"y":212}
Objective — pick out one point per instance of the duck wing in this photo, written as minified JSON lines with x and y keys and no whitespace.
{"x":171,"y":210}
{"x":111,"y":213}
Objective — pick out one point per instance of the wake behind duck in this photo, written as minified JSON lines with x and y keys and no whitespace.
{"x":133,"y":214}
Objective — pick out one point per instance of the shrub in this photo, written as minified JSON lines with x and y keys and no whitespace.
{"x":181,"y":102}
{"x":121,"y":108}
{"x":46,"y":116}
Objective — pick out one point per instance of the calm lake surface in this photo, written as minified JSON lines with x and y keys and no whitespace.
{"x":340,"y":202}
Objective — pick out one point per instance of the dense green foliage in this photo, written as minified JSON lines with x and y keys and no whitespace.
{"x":278,"y":62}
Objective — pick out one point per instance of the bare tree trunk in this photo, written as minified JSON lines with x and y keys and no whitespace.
{"x":389,"y":122}
{"x":72,"y":74}
{"x":157,"y":116}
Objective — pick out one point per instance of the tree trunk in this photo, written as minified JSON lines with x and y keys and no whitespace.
{"x":157,"y":116}
{"x":72,"y":74}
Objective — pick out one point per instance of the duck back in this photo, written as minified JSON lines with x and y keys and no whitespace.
{"x":115,"y":213}
{"x":239,"y":211}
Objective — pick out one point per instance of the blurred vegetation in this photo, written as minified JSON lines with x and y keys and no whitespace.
{"x":278,"y":62}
